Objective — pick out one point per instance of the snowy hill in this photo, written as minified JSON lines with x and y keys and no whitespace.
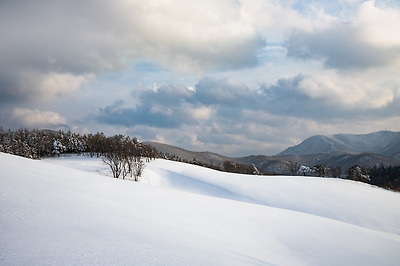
{"x":69,"y":211}
{"x":384,"y":143}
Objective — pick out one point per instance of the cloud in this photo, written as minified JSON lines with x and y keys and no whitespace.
{"x":331,"y":95}
{"x":217,"y":86}
{"x":175,"y":105}
{"x":286,"y":98}
{"x":276,"y":19}
{"x":224,"y":115}
{"x":323,"y":97}
{"x":154,"y":111}
{"x":369,"y":40}
{"x":61,"y":83}
{"x":165,"y":94}
{"x":339,"y":49}
{"x":81,"y":39}
{"x":36,"y":118}
{"x":225,"y":91}
{"x":350,"y":92}
{"x":378,"y":26}
{"x":39,"y":87}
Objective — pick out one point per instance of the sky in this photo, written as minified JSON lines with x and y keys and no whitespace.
{"x":235,"y":77}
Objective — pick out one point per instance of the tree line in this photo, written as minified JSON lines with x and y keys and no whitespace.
{"x":385,"y":176}
{"x":124,"y":155}
{"x":224,"y":166}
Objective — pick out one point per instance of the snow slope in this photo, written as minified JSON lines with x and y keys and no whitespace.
{"x":68,"y":211}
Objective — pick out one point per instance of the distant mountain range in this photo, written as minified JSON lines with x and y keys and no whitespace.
{"x":385,"y":143}
{"x":344,"y":150}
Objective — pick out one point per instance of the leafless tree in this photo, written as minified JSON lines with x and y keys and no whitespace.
{"x":115,"y":162}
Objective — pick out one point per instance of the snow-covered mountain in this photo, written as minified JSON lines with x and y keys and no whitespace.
{"x":385,"y":143}
{"x":69,"y":211}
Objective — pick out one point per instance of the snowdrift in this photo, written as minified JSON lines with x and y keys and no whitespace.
{"x":69,"y":211}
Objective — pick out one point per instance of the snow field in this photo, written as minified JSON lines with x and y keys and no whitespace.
{"x":68,"y":211}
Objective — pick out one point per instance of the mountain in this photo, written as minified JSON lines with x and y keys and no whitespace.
{"x":384,"y":143}
{"x":70,"y":211}
{"x":267,"y":164}
{"x":345,"y":150}
{"x":179,"y":154}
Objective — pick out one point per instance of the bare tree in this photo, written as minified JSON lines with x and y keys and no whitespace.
{"x":115,"y":162}
{"x":124,"y":157}
{"x":137,"y":168}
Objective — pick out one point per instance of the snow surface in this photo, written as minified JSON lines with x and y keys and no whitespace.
{"x":69,"y":211}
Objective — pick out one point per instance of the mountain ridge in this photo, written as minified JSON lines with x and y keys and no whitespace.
{"x":344,"y":150}
{"x":385,"y":143}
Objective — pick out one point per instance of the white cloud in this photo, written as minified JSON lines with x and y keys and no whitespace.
{"x":90,"y":37}
{"x":355,"y":91}
{"x":52,"y":47}
{"x":379,"y":26}
{"x":35,"y":85}
{"x":36,"y":118}
{"x":275,"y":18}
{"x":369,"y":40}
{"x":195,"y":35}
{"x":201,"y":113}
{"x":62,"y":83}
